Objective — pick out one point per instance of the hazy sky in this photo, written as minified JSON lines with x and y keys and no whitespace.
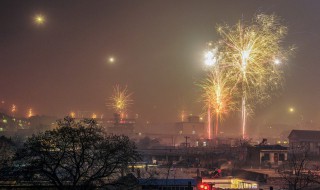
{"x":158,"y":45}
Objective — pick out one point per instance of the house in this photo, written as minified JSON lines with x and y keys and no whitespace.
{"x":306,"y":139}
{"x":266,"y":155}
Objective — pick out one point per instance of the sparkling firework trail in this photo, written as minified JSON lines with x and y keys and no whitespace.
{"x":217,"y":97}
{"x":120,"y":100}
{"x":251,"y":54}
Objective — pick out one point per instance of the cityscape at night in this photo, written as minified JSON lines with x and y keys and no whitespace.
{"x":162,"y":94}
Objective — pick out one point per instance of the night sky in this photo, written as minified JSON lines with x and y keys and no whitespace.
{"x":62,"y":65}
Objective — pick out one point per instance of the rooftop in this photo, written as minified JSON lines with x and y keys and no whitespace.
{"x":306,"y":135}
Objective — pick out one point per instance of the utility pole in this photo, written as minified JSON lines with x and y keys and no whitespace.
{"x":187,"y":156}
{"x":186,"y":137}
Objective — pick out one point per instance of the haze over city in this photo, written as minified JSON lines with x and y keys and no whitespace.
{"x":157,"y":47}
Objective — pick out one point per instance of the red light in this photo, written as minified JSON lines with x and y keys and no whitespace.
{"x":204,"y":186}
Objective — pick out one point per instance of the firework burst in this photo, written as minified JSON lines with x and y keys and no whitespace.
{"x":217,"y":97}
{"x":120,"y":100}
{"x":251,"y":55}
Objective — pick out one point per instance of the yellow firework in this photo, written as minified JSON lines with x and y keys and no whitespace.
{"x":216,"y":93}
{"x":120,"y":100}
{"x":217,"y":97}
{"x":251,"y":54}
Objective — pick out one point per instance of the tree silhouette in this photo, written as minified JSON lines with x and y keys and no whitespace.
{"x":76,"y":155}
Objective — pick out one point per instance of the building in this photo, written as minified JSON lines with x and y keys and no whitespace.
{"x":306,"y":139}
{"x":168,"y":184}
{"x":193,"y":126}
{"x":229,"y":183}
{"x":120,"y":126}
{"x":266,"y":155}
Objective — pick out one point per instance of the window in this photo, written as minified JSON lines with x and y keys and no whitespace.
{"x":281,"y":157}
{"x":265,"y":157}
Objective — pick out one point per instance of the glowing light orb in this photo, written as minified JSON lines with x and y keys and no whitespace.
{"x":72,"y":114}
{"x":210,"y":57}
{"x":39,"y":19}
{"x":277,"y":61}
{"x":111,"y":59}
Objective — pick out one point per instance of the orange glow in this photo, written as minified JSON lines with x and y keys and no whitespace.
{"x":182,"y":115}
{"x":72,"y":114}
{"x":30,"y":113}
{"x":13,"y":108}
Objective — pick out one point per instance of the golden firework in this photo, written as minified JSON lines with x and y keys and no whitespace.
{"x":120,"y":100}
{"x":251,"y":54}
{"x":217,"y":96}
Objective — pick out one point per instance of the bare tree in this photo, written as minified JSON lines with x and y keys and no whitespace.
{"x":77,"y":155}
{"x":297,"y":171}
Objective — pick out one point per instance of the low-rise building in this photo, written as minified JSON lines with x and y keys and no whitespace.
{"x":193,"y":126}
{"x":266,"y":155}
{"x":307,"y":139}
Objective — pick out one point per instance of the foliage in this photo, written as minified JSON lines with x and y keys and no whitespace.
{"x":7,"y":150}
{"x":77,"y":154}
